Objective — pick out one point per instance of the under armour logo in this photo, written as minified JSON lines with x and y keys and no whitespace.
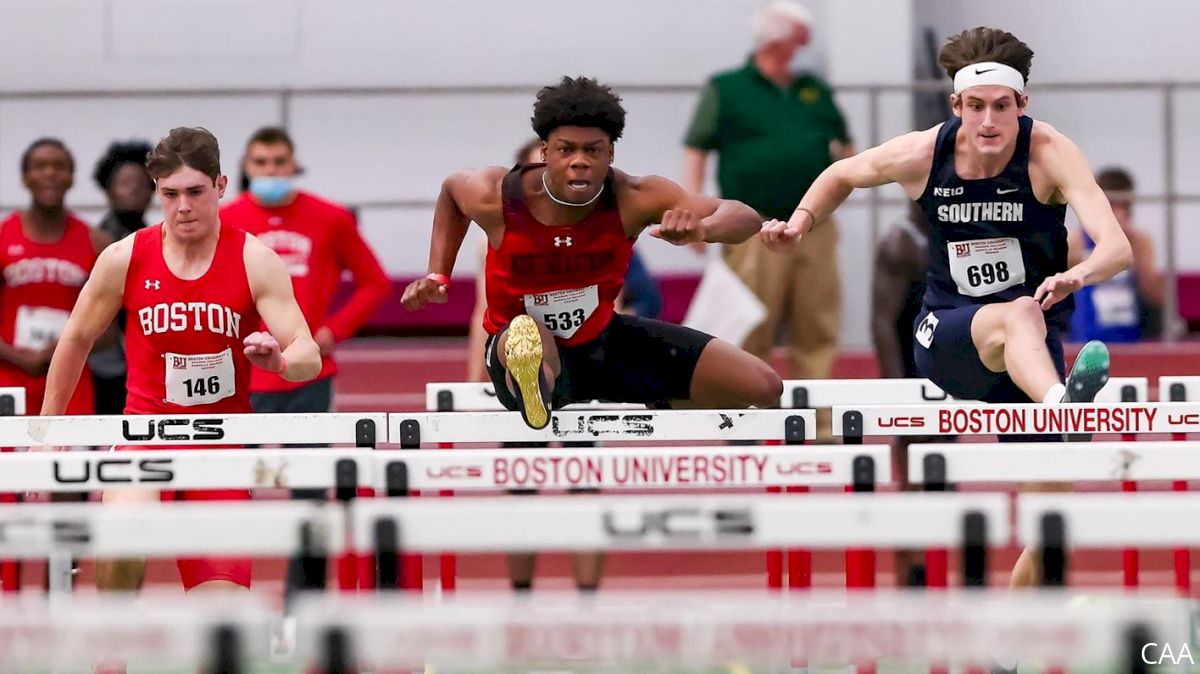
{"x":562,"y":241}
{"x":151,"y":284}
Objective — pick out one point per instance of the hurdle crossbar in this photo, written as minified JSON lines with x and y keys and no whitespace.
{"x":803,"y":393}
{"x":472,"y":469}
{"x":565,"y":523}
{"x":1179,"y":389}
{"x":186,"y":469}
{"x":1053,"y":462}
{"x":1145,"y":520}
{"x":362,"y":430}
{"x":703,"y":628}
{"x":150,"y":632}
{"x":974,"y":419}
{"x":797,"y":394}
{"x":270,"y":528}
{"x":588,"y":426}
{"x":633,"y":467}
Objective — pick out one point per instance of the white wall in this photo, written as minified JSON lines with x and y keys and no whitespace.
{"x":468,"y":70}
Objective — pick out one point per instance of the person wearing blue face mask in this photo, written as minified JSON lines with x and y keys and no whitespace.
{"x":317,"y":240}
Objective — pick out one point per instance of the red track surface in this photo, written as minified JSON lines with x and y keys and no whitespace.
{"x":390,"y":375}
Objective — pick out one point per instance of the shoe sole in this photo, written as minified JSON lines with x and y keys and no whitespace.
{"x":523,"y":351}
{"x":1088,"y":375}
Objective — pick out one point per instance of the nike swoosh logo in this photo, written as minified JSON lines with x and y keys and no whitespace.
{"x":1000,"y":191}
{"x":980,"y":72}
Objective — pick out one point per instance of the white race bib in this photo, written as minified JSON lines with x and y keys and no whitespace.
{"x":1116,"y":303}
{"x":986,"y":266}
{"x":37,"y":327}
{"x":563,"y":311}
{"x":199,"y":379}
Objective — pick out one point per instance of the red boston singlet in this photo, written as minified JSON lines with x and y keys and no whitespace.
{"x":184,"y":338}
{"x":41,"y":283}
{"x":565,"y":277}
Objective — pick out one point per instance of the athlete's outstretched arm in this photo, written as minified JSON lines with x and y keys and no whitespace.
{"x":682,"y":217}
{"x":905,"y":159}
{"x":464,"y":195}
{"x":93,"y":313}
{"x":1067,"y":167}
{"x":288,"y":349}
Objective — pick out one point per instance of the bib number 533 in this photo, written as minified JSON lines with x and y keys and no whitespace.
{"x":565,"y":320}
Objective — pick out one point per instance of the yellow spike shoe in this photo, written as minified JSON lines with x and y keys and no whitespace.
{"x":523,"y":352}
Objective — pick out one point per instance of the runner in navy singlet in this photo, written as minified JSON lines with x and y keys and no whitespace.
{"x":994,"y":185}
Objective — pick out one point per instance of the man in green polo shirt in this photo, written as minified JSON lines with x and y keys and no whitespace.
{"x":774,"y":131}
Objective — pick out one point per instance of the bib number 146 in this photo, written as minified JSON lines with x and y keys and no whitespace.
{"x":203,"y":386}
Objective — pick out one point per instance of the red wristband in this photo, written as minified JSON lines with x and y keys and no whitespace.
{"x":282,"y":364}
{"x":440,"y":278}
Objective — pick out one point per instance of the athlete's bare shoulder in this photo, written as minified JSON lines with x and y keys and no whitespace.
{"x":1054,"y":161}
{"x":477,"y":192}
{"x":112,"y":264}
{"x":1046,"y":141}
{"x":905,"y":159}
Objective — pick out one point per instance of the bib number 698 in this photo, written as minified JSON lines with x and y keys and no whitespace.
{"x":987,"y":273}
{"x":565,"y":320}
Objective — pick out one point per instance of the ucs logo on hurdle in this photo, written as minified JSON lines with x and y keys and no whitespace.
{"x":596,"y":425}
{"x":173,"y":429}
{"x":680,"y":524}
{"x":113,"y":471}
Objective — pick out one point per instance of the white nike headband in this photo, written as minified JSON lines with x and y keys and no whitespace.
{"x":988,"y":73}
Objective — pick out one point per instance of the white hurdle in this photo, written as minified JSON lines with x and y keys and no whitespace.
{"x":467,"y":469}
{"x":805,"y":393}
{"x":797,"y":394}
{"x":792,"y":426}
{"x":1031,"y":462}
{"x":685,"y":522}
{"x":211,"y":633}
{"x":636,"y":468}
{"x":186,"y":469}
{"x":1179,"y":389}
{"x":693,"y":631}
{"x":861,"y":421}
{"x":362,"y":430}
{"x":33,"y":531}
{"x":1057,"y":522}
{"x":698,"y":631}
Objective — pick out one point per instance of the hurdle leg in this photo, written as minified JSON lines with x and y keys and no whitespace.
{"x":447,"y":561}
{"x":1129,"y":556}
{"x":774,"y":558}
{"x":799,"y":562}
{"x":1183,"y":556}
{"x":10,"y":570}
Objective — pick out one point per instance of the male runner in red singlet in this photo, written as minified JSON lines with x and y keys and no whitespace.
{"x":193,"y":289}
{"x":560,"y":235}
{"x":46,"y":254}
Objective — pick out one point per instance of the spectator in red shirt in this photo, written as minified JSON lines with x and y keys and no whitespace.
{"x":317,"y":240}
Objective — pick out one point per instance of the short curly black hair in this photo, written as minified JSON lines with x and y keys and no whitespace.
{"x":579,"y":101}
{"x":121,"y":152}
{"x":27,"y":155}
